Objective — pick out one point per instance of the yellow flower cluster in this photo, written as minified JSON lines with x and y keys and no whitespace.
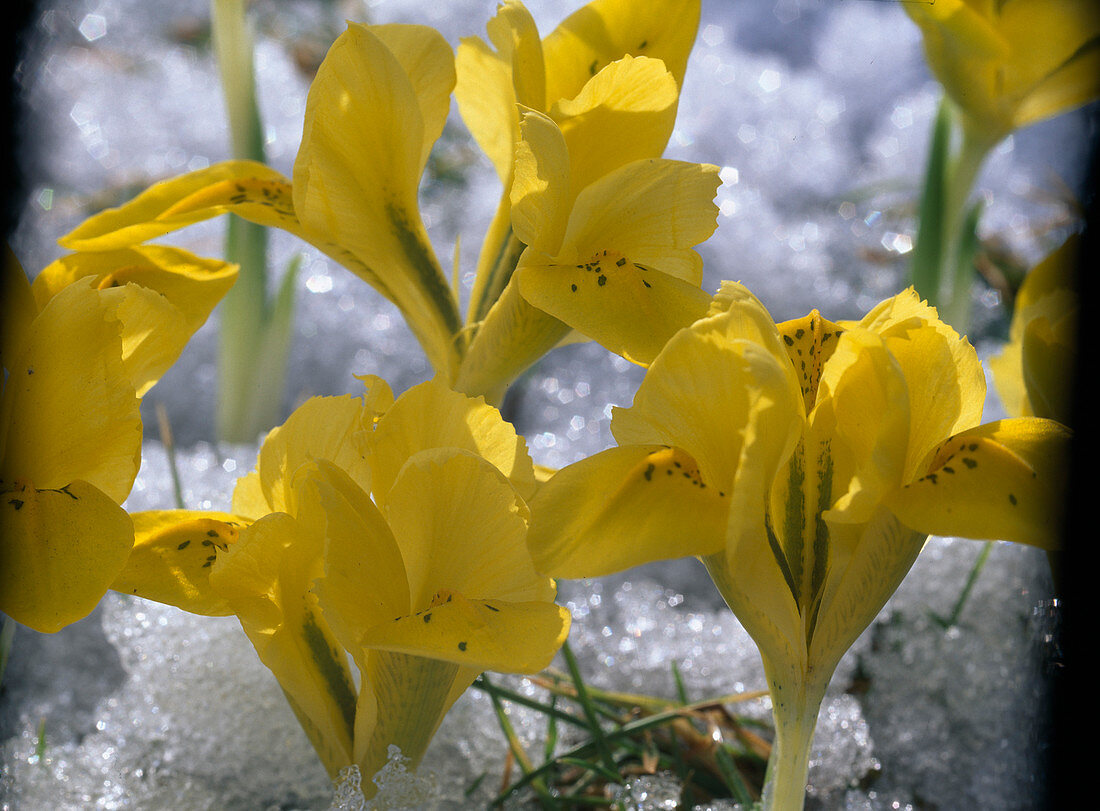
{"x":409,"y":539}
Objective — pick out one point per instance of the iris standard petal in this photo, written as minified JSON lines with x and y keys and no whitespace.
{"x":864,"y":391}
{"x":358,"y":170}
{"x":430,"y":415}
{"x":194,"y":285}
{"x":441,"y":508}
{"x":167,"y":294}
{"x":653,"y":212}
{"x":491,"y":83}
{"x":364,"y":579}
{"x":703,"y":390}
{"x":328,"y":428}
{"x":541,"y":193}
{"x":624,"y":113}
{"x":943,"y":375}
{"x":602,"y":31}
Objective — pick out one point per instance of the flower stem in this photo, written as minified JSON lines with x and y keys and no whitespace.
{"x":252,"y":326}
{"x":942,"y":268}
{"x":795,"y":705}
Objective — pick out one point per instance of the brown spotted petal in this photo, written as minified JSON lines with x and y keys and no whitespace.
{"x":174,"y":551}
{"x":1001,"y":481}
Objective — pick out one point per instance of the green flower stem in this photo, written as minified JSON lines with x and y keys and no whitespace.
{"x":795,"y":712}
{"x":959,"y":254}
{"x":254,"y":331}
{"x":942,"y":267}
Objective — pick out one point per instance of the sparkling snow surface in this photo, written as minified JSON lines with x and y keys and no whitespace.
{"x":818,"y":112}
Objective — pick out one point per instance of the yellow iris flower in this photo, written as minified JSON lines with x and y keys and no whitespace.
{"x":1034,"y":372}
{"x":393,"y":531}
{"x":79,"y":348}
{"x":805,"y":462}
{"x":557,"y":76}
{"x":607,"y":78}
{"x":377,"y":104}
{"x":1009,"y":64}
{"x":610,"y":257}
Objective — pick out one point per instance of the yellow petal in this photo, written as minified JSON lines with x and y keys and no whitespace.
{"x":864,"y":400}
{"x":1070,"y":86}
{"x":705,"y":388}
{"x":266,"y":579}
{"x":377,"y":396}
{"x":755,"y":590}
{"x":154,"y":334}
{"x":247,"y":188}
{"x":733,"y":403}
{"x":651,"y":212}
{"x":174,"y":551}
{"x":943,"y":376}
{"x":429,"y":416}
{"x":1005,"y":480}
{"x":1008,"y":65}
{"x":19,"y":308}
{"x":810,"y":342}
{"x":69,"y":411}
{"x":516,"y":37}
{"x":1008,"y":375}
{"x":490,"y":83}
{"x":59,"y":551}
{"x":964,"y":26}
{"x":1033,"y":372}
{"x":192,"y":284}
{"x":629,"y":309}
{"x":1048,"y":359}
{"x":541,"y":194}
{"x":249,"y":499}
{"x":624,"y":507}
{"x":364,"y":579}
{"x":602,"y":31}
{"x":752,"y":573}
{"x":429,"y":65}
{"x":623,"y":114}
{"x":359,"y":166}
{"x":1047,"y":39}
{"x":321,"y":428}
{"x":462,"y":528}
{"x":478,"y":634}
{"x":946,"y":388}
